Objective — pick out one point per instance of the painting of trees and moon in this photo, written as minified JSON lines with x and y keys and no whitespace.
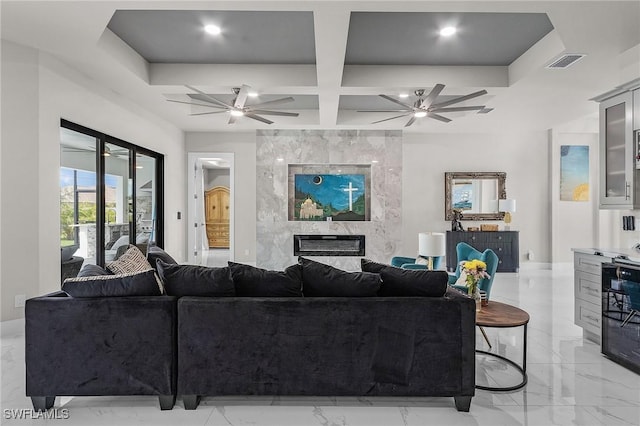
{"x":324,"y":197}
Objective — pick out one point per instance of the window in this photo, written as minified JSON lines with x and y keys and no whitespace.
{"x":109,"y":190}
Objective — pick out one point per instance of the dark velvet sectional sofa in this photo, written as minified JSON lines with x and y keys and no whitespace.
{"x":257,"y":336}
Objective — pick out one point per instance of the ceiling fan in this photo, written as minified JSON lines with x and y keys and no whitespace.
{"x":238,"y":106}
{"x":427,"y":106}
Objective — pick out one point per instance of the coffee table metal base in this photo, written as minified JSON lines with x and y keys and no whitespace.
{"x":501,"y":315}
{"x":508,"y":388}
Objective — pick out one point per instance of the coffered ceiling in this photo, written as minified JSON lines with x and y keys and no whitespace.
{"x":335,"y":57}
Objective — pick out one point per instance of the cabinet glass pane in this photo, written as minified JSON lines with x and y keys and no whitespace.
{"x":615,"y":151}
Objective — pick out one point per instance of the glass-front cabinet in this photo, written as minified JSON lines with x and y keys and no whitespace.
{"x":618,"y":181}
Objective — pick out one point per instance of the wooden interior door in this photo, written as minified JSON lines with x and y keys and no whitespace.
{"x":216,"y":207}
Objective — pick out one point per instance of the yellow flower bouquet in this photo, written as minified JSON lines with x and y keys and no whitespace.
{"x":474,"y":271}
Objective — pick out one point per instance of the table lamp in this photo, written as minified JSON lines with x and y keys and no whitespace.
{"x":507,"y":206}
{"x":431,"y":245}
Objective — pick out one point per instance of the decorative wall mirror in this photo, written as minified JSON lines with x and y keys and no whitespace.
{"x":476,"y":194}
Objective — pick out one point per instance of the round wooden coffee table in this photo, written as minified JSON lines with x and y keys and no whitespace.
{"x":501,"y":315}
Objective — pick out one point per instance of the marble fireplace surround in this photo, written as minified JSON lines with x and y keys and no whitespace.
{"x":276,"y":149}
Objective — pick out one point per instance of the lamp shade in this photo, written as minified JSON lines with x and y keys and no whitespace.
{"x":431,"y":244}
{"x":507,"y":205}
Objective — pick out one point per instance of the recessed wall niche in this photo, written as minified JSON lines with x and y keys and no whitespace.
{"x":277,"y":150}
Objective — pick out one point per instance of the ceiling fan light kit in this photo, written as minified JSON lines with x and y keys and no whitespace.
{"x":425,"y":106}
{"x":238,"y":107}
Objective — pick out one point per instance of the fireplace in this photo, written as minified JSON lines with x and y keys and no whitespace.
{"x":328,"y":245}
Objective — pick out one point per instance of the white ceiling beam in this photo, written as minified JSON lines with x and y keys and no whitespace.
{"x":538,"y":56}
{"x":255,"y":75}
{"x":424,"y":76}
{"x":331,"y":27}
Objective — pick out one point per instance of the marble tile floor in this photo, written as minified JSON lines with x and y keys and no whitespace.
{"x":570,"y":382}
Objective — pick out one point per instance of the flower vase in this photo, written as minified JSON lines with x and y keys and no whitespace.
{"x":476,"y":296}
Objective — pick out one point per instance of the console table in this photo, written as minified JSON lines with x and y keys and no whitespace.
{"x":504,"y":243}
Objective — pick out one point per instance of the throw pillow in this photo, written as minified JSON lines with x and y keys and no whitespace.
{"x":134,"y":284}
{"x":90,"y":270}
{"x":131,"y":261}
{"x":320,"y":280}
{"x":256,"y":282}
{"x":154,"y":253}
{"x":192,"y":280}
{"x":408,"y":282}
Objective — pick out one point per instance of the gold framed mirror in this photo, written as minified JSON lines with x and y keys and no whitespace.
{"x":476,"y":194}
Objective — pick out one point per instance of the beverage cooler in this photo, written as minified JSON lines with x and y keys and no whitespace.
{"x":621,"y":313}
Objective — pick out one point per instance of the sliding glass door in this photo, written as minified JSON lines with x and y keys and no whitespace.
{"x":110,"y":194}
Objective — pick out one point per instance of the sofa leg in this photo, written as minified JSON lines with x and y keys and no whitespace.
{"x":462,"y":403}
{"x":42,"y":403}
{"x":191,"y":401}
{"x":166,"y":401}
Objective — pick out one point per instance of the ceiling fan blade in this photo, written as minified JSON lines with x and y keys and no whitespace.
{"x":389,"y":98}
{"x":391,"y":118}
{"x":432,"y":96}
{"x":241,"y":98}
{"x":193,"y":103}
{"x":273,"y":102}
{"x":211,"y":112}
{"x":438,"y":117}
{"x":460,"y":99}
{"x":267,"y":112}
{"x":257,"y":117}
{"x":410,"y":122}
{"x":456,"y":109}
{"x":209,"y":98}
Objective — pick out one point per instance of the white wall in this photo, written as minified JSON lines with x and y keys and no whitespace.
{"x":243,"y":146}
{"x":37,"y":92}
{"x":574,"y":223}
{"x":524,"y":158}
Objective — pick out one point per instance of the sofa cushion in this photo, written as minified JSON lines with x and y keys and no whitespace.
{"x":133,"y":260}
{"x":132,"y":284}
{"x":408,"y":282}
{"x":256,"y":282}
{"x":320,"y":280}
{"x":90,"y":270}
{"x":154,"y":253}
{"x":193,"y":280}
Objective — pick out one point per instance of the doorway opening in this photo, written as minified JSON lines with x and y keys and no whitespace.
{"x":211,"y":208}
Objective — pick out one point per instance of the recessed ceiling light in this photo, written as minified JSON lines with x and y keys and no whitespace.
{"x":374,"y":161}
{"x":212,"y":29}
{"x":420,"y":114}
{"x":237,"y":113}
{"x":252,"y":94}
{"x":404,"y":95}
{"x":279,"y":159}
{"x":448,"y":31}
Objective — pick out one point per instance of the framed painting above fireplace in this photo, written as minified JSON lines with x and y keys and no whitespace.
{"x":329,"y":192}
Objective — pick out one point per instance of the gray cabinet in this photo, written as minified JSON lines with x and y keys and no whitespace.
{"x":504,"y":243}
{"x":587,"y":281}
{"x":618,"y":177}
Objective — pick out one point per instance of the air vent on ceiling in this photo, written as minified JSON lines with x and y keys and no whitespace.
{"x":565,"y":60}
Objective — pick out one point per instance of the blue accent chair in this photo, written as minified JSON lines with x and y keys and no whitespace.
{"x":410,"y":262}
{"x":465,"y":252}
